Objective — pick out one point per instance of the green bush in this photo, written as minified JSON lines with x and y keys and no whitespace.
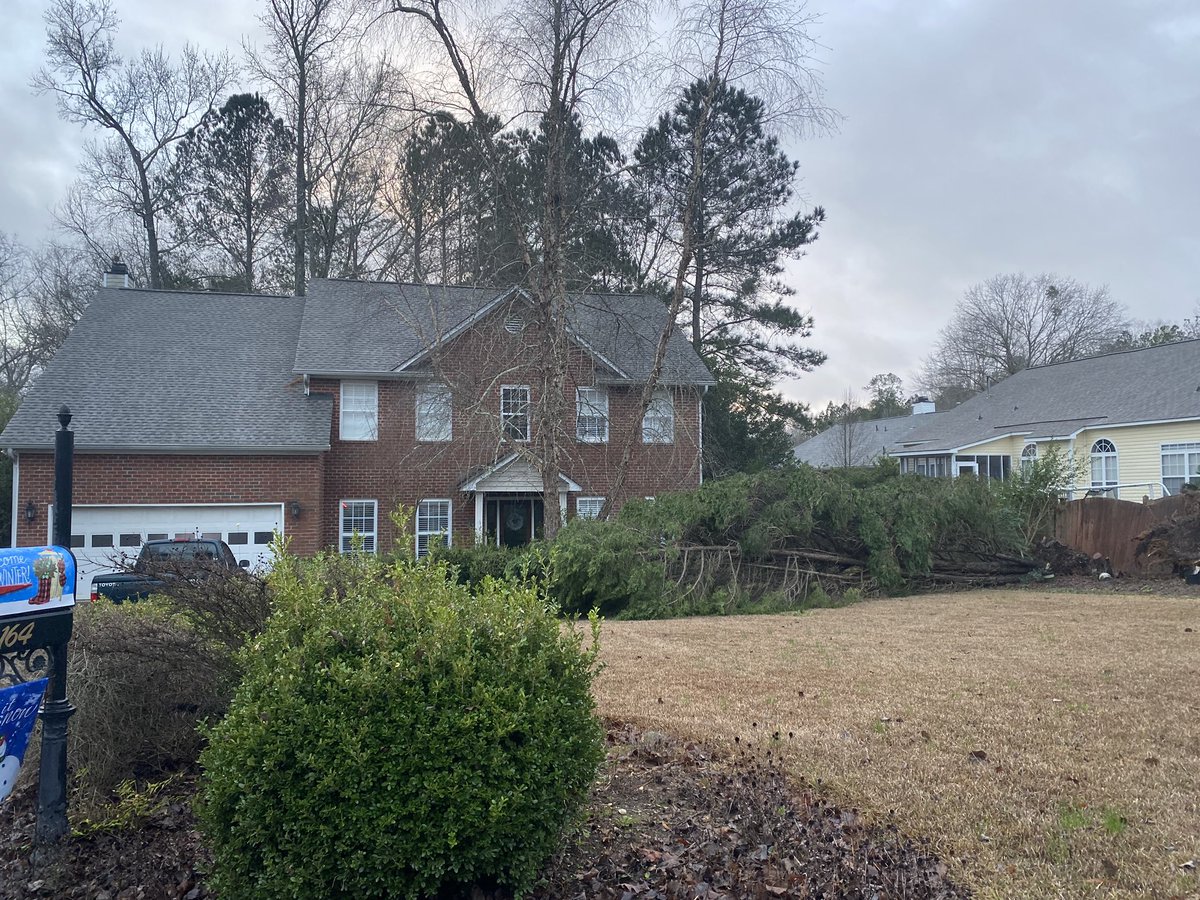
{"x":399,"y":735}
{"x":471,"y":565}
{"x":606,"y":566}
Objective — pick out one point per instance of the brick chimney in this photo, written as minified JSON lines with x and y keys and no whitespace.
{"x":117,"y":276}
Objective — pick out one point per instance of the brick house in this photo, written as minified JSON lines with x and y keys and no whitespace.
{"x":241,"y":415}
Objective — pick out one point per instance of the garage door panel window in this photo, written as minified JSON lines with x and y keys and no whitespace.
{"x":433,"y":525}
{"x":236,"y":538}
{"x":358,"y":524}
{"x":131,"y":540}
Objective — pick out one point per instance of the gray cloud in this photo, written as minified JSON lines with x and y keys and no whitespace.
{"x":981,"y":136}
{"x":993,"y":136}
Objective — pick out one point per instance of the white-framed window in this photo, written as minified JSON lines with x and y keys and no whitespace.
{"x":1028,"y":457}
{"x":1104,"y":465}
{"x":589,"y":507}
{"x":433,"y":523}
{"x":1180,"y":464}
{"x":359,"y":519}
{"x":591,"y":415}
{"x":514,"y":411}
{"x":360,"y":411}
{"x":435,"y":412}
{"x":658,"y":425}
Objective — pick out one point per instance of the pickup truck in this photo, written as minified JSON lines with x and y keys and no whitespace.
{"x":160,"y":562}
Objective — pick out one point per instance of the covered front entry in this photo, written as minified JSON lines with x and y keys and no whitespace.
{"x":513,"y":520}
{"x":509,"y":506}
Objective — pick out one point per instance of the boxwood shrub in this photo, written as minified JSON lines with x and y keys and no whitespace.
{"x":398,"y":734}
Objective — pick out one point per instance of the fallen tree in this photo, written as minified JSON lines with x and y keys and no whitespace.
{"x":1175,"y":541}
{"x":790,"y":536}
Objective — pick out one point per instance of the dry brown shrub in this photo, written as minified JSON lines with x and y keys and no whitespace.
{"x":141,"y":677}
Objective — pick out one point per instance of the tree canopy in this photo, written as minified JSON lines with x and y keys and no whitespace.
{"x":1011,"y":322}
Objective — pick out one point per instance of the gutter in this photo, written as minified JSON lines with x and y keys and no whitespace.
{"x":183,"y":450}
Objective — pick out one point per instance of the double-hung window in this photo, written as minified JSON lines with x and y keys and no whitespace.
{"x":433,"y":524}
{"x":434,"y":412}
{"x":591,"y":415}
{"x":589,"y":507}
{"x":359,"y":522}
{"x":658,"y":425}
{"x":360,"y":411}
{"x":1180,"y":464}
{"x":514,"y":411}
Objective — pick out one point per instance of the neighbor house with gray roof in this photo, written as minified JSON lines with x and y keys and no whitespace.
{"x":1129,"y":421}
{"x":242,"y":416}
{"x":854,"y":443}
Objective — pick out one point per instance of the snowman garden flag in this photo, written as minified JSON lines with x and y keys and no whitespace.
{"x":18,"y":711}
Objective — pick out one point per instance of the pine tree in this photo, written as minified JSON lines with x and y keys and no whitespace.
{"x":745,"y":230}
{"x":230,"y":185}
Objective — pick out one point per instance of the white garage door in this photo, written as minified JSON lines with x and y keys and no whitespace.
{"x":102,"y":535}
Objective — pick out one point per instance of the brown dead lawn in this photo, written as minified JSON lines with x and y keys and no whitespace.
{"x":1045,"y":745}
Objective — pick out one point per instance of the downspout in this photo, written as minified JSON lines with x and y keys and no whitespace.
{"x":306,"y":388}
{"x":16,"y":487}
{"x":700,"y":418}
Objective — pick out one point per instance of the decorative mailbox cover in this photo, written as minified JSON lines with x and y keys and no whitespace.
{"x":36,"y":580}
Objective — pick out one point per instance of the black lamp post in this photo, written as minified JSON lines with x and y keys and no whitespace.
{"x":52,"y":823}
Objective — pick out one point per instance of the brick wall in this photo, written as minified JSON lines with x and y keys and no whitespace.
{"x":146,"y":478}
{"x":397,"y":469}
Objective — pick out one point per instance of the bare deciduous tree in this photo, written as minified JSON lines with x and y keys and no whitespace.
{"x":1011,"y":322}
{"x":300,"y":62}
{"x":147,"y":103}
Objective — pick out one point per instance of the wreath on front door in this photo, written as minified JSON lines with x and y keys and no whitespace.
{"x":515,"y":520}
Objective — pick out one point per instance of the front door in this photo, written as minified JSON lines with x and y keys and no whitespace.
{"x":518,"y":520}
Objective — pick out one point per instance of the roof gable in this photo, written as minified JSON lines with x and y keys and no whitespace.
{"x":357,"y":327}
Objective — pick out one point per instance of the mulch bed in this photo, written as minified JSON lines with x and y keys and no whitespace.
{"x":667,"y":819}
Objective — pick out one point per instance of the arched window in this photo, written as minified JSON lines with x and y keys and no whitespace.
{"x":1028,"y":458}
{"x":1104,"y":466}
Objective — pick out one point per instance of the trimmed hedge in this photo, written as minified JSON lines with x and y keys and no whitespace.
{"x":398,"y":734}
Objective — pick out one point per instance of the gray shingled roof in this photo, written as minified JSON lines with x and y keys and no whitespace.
{"x":375,"y":327}
{"x":1158,"y":384}
{"x":868,"y":440}
{"x":166,"y":370}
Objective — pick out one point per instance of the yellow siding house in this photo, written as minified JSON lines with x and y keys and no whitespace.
{"x":1131,"y":420}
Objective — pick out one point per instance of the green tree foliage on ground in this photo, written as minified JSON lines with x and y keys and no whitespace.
{"x":892,"y":528}
{"x":397,"y":734}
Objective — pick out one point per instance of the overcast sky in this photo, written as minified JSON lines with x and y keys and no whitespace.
{"x":980,"y":136}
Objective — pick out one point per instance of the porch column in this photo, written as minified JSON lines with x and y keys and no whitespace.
{"x":479,"y":532}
